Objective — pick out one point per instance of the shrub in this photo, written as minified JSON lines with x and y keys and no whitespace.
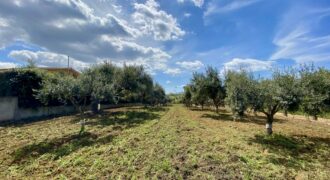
{"x":22,"y":83}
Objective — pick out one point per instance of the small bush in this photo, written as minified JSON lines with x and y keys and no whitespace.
{"x":23,"y":83}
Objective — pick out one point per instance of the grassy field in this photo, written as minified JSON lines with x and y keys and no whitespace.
{"x":165,"y":143}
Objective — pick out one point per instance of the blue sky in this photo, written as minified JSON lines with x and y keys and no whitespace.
{"x":171,"y":39}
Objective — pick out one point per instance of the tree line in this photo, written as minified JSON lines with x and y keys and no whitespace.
{"x":103,"y":83}
{"x":305,"y":89}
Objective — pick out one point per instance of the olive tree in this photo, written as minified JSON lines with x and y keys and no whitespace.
{"x":98,"y":82}
{"x":93,"y":84}
{"x":146,"y":89}
{"x":289,"y":91}
{"x":187,"y":95}
{"x":131,"y":83}
{"x":269,"y":101}
{"x":281,"y":92}
{"x":214,"y":88}
{"x":68,"y":90}
{"x":198,"y":89}
{"x":159,"y":95}
{"x":238,"y":90}
{"x":315,"y":87}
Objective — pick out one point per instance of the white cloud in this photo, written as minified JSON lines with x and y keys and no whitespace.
{"x":74,"y":28}
{"x":150,"y":65}
{"x":296,"y":39}
{"x":104,"y":7}
{"x":248,"y":64}
{"x":7,"y":34}
{"x":117,"y":8}
{"x":173,"y":71}
{"x":116,"y":49}
{"x":7,"y":65}
{"x":198,"y":3}
{"x":186,"y":15}
{"x":168,"y":82}
{"x":150,"y":20}
{"x":190,"y":65}
{"x":216,"y":7}
{"x":48,"y":59}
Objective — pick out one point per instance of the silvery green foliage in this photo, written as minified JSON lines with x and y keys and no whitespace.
{"x":66,"y":89}
{"x":187,"y":95}
{"x":133,"y":84}
{"x":198,"y":89}
{"x":238,"y":91}
{"x":315,"y":85}
{"x":159,"y":96}
{"x":214,"y":87}
{"x":103,"y":83}
{"x":98,"y":81}
{"x":288,"y":91}
{"x":281,"y":92}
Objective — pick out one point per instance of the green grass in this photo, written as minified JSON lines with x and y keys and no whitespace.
{"x":165,"y":143}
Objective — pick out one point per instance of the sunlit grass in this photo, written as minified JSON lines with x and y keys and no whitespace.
{"x":168,"y":142}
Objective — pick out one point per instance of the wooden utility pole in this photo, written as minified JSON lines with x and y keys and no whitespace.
{"x":68,"y":64}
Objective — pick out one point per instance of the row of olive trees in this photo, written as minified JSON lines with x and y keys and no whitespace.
{"x":205,"y":87}
{"x":103,"y":83}
{"x":306,"y":89}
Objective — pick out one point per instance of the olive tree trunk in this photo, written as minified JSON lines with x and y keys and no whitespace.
{"x":216,"y":104}
{"x":286,"y":113}
{"x":314,"y":117}
{"x":96,"y":107}
{"x":269,"y":124}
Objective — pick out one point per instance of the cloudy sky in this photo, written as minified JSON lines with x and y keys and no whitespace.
{"x":170,"y":38}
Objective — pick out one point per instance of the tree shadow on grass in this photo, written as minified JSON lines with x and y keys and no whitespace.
{"x":65,"y":145}
{"x":292,"y":151}
{"x":260,"y":120}
{"x":30,"y":121}
{"x":121,"y":116}
{"x":59,"y":147}
{"x":200,"y":109}
{"x":149,"y":108}
{"x":88,"y":115}
{"x":209,"y":109}
{"x":128,"y":119}
{"x":220,"y":116}
{"x":157,"y":109}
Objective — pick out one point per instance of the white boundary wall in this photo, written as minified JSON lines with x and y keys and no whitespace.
{"x":9,"y":110}
{"x":8,"y":107}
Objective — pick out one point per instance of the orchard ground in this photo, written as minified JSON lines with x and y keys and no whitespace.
{"x":166,"y":143}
